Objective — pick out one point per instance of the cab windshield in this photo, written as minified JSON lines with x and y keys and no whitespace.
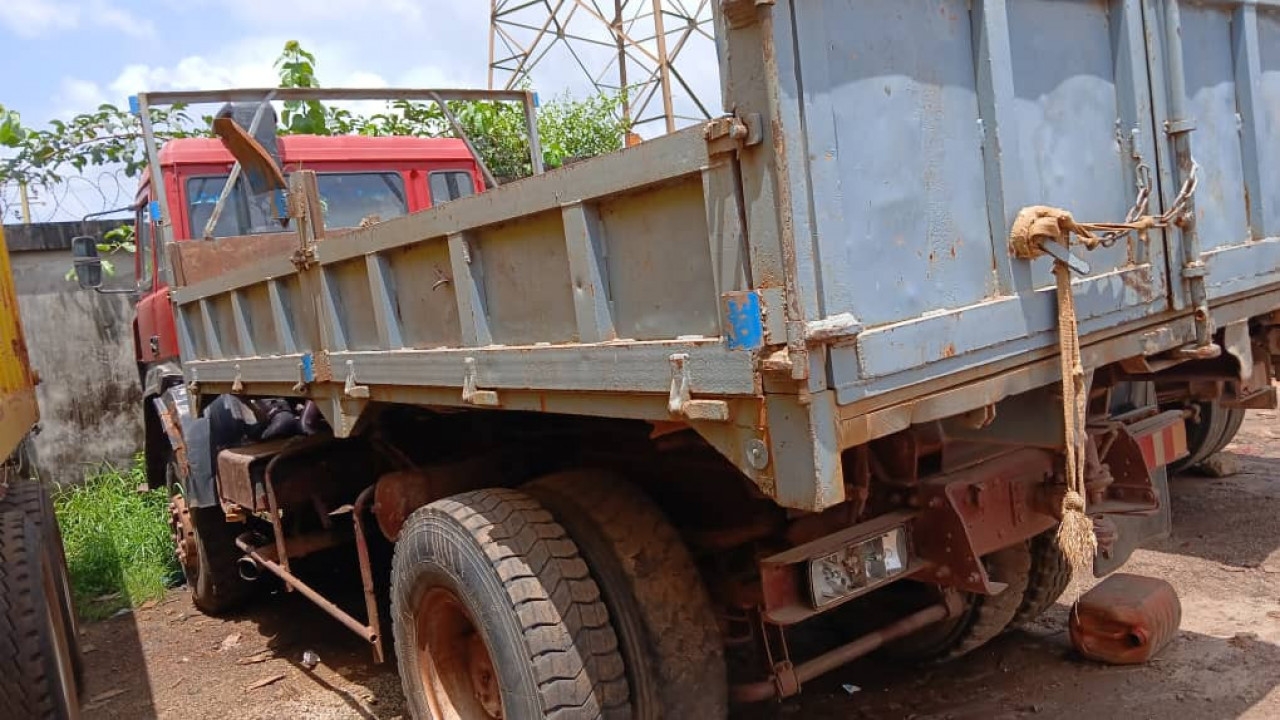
{"x":348,"y":198}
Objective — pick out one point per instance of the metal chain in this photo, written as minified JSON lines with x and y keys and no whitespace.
{"x":1137,"y":220}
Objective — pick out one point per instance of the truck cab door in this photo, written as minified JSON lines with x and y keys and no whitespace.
{"x":153,"y":299}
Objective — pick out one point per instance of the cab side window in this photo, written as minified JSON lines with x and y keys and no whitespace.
{"x":146,"y":250}
{"x":449,"y":185}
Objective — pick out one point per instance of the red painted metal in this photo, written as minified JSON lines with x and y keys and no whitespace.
{"x":1125,"y":620}
{"x":413,"y":158}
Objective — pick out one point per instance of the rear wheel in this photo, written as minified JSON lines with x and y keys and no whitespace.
{"x":496,"y":615}
{"x":1215,"y":428}
{"x":37,"y":675}
{"x":665,"y":622}
{"x":983,"y":617}
{"x":1049,"y":577}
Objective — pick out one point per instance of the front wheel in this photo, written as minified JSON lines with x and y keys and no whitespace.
{"x":205,"y":544}
{"x":496,"y":615}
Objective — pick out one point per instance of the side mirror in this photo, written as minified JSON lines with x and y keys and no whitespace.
{"x":87,"y":263}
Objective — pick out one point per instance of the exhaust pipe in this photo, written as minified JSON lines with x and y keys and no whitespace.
{"x":249,"y":569}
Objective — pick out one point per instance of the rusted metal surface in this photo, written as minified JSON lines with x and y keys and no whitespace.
{"x":184,"y":535}
{"x":366,"y":570}
{"x":788,"y":679}
{"x":195,"y":262}
{"x":293,"y":582}
{"x":399,"y":493}
{"x":969,"y":514}
{"x":1125,"y":620}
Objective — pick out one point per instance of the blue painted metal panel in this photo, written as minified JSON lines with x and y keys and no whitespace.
{"x":1267,"y":105}
{"x":895,"y":151}
{"x":1232,"y":89}
{"x":1215,"y":143}
{"x":919,"y":154}
{"x":745,"y":321}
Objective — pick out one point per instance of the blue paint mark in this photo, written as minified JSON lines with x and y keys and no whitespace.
{"x":282,"y":205}
{"x":308,"y":369}
{"x":745,"y":322}
{"x":536,"y":101}
{"x":153,"y":209}
{"x":134,"y":107}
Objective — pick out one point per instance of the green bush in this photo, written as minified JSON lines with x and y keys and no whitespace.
{"x":119,"y":550}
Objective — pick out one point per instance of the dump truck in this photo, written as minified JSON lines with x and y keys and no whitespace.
{"x":903,"y":341}
{"x":360,"y":178}
{"x":41,"y":669}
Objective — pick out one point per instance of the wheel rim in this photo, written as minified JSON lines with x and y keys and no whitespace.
{"x":455,"y":666}
{"x":184,"y":539}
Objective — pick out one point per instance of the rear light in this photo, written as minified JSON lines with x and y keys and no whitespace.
{"x":858,"y":567}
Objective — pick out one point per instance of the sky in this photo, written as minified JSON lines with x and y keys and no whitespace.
{"x":76,"y":54}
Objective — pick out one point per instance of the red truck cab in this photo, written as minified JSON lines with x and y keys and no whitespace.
{"x":358,"y":178}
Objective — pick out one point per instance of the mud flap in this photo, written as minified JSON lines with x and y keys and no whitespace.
{"x":1131,"y":531}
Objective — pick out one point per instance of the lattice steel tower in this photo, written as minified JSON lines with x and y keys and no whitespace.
{"x":629,"y":47}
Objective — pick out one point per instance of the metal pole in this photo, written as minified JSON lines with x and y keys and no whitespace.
{"x":493,"y":31}
{"x":26,"y":203}
{"x":462,"y":135}
{"x":366,"y":570}
{"x":216,"y":215}
{"x":664,"y":66}
{"x":160,"y":214}
{"x":1179,"y":128}
{"x":531,"y":125}
{"x":622,"y":63}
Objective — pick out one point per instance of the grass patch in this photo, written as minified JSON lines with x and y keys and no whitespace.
{"x":119,"y":550}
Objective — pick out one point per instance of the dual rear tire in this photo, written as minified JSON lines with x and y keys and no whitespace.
{"x":573,"y":598}
{"x":40,"y":663}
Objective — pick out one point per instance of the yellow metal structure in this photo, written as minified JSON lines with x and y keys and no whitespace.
{"x":18,"y":410}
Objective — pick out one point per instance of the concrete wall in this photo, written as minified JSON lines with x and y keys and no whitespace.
{"x":81,"y":346}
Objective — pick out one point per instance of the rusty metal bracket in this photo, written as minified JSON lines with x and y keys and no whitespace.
{"x":969,"y":514}
{"x":741,"y":13}
{"x":679,"y":401}
{"x":731,"y":132}
{"x":471,"y":394}
{"x":350,"y":388}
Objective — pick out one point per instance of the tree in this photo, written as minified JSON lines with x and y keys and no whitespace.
{"x":110,"y":135}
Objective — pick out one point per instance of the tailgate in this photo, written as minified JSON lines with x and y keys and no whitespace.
{"x":1231,"y":55}
{"x":926,"y":127}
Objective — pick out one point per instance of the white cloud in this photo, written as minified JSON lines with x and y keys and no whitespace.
{"x":303,"y":11}
{"x":75,"y":96}
{"x":105,"y":15}
{"x":34,"y":18}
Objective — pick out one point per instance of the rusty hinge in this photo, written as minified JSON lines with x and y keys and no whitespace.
{"x":741,"y":13}
{"x":731,"y":132}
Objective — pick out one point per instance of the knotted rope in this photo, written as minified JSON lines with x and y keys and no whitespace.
{"x":1034,"y":227}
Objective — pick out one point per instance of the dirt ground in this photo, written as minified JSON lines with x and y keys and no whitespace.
{"x":168,"y":661}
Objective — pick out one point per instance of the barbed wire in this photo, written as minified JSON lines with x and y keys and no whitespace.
{"x":71,"y":199}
